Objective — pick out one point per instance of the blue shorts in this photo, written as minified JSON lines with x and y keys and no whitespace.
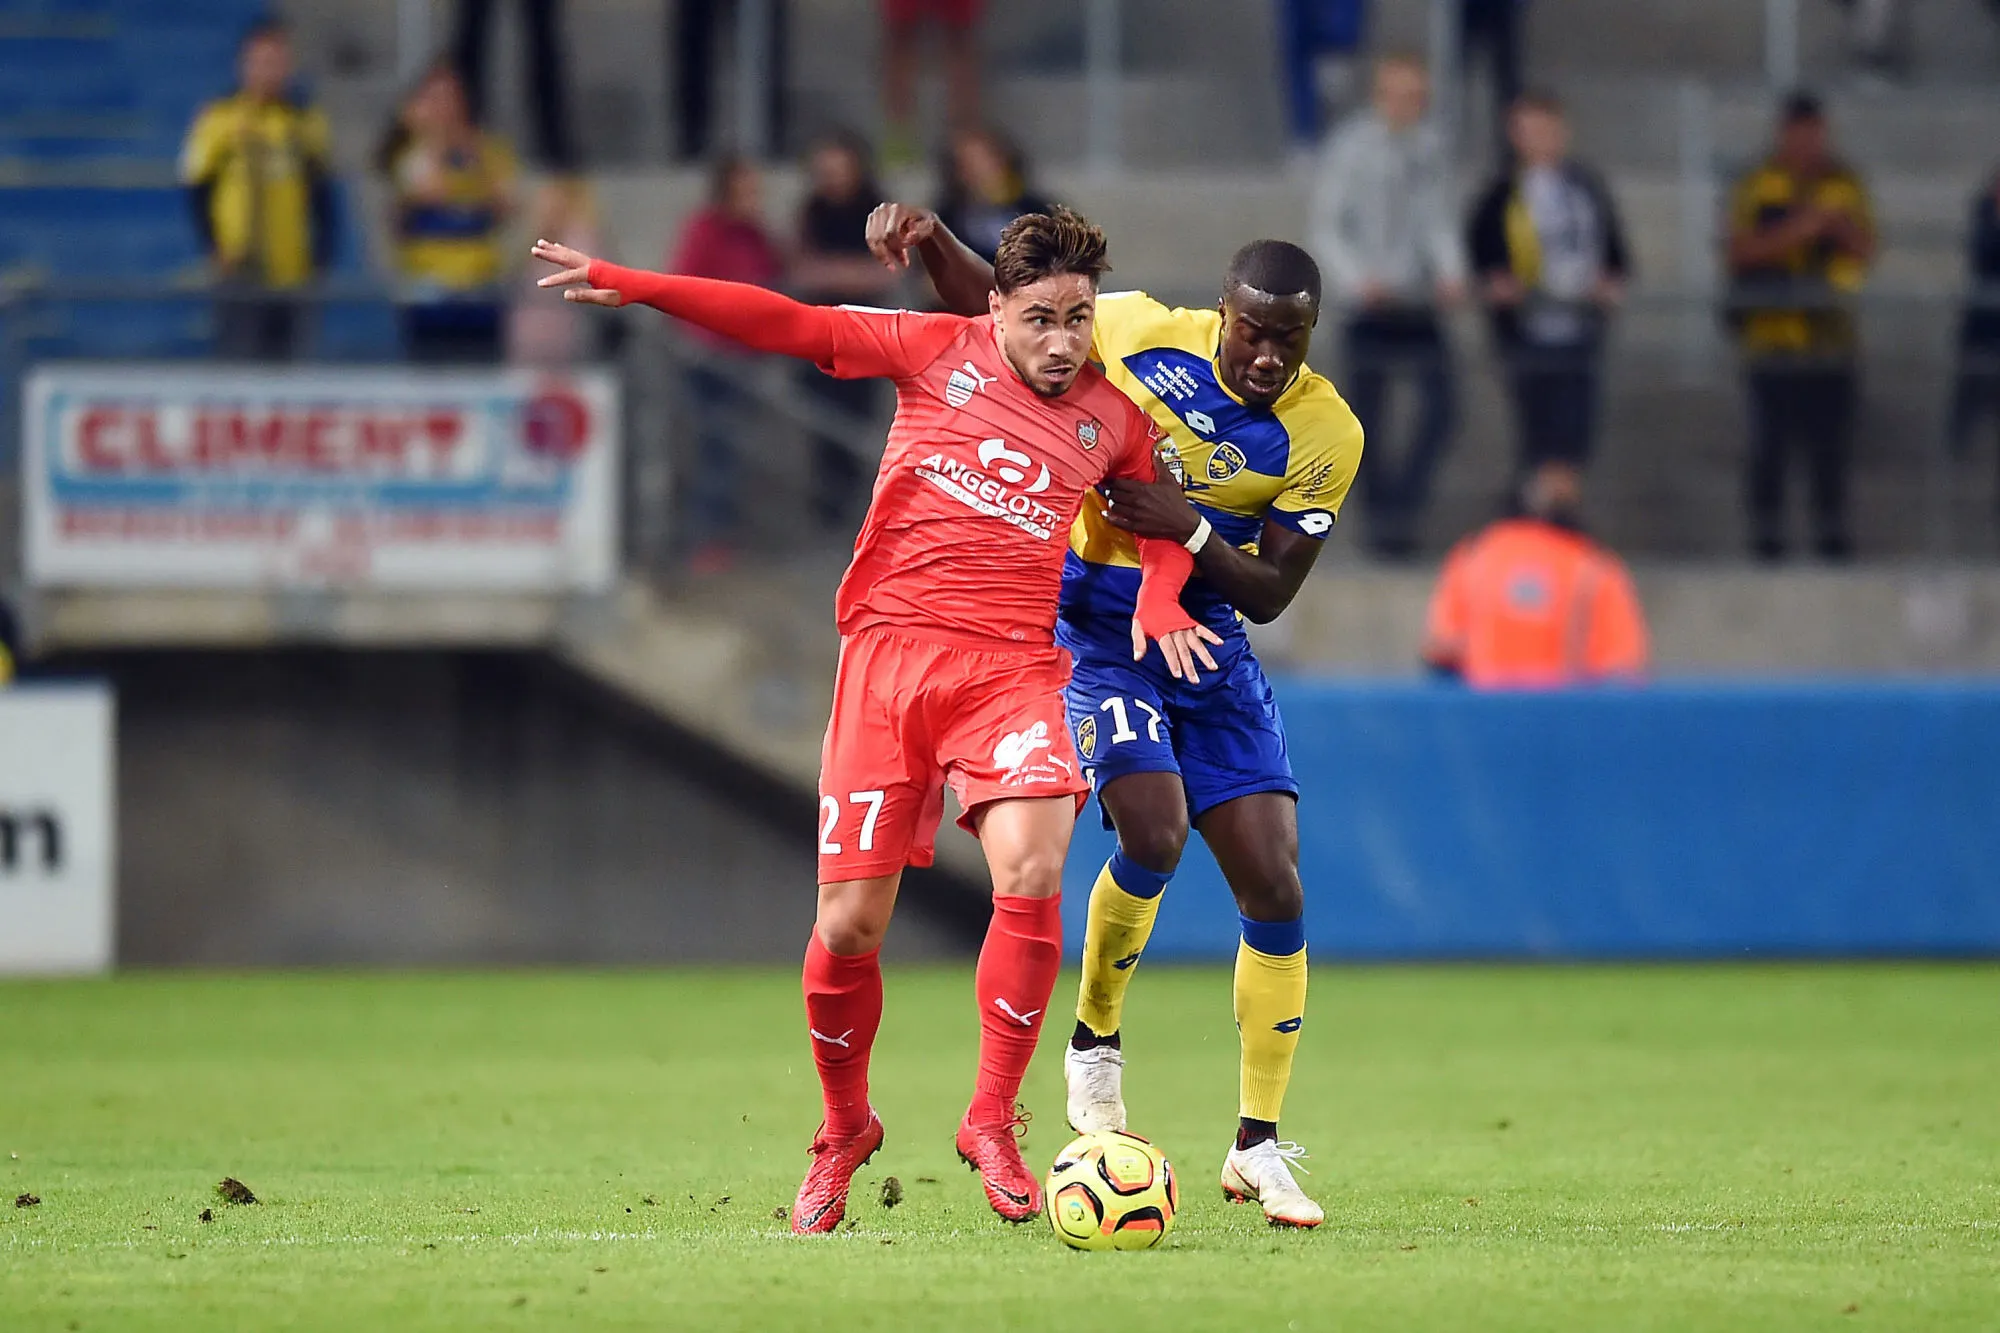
{"x":1223,"y":736}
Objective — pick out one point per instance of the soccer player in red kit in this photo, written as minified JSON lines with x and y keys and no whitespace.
{"x":948,"y":668}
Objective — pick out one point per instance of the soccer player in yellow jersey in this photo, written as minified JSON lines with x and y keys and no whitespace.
{"x":1264,"y":452}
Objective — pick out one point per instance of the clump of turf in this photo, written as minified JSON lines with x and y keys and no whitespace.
{"x":26,"y":1200}
{"x":892,"y":1192}
{"x":231,"y":1190}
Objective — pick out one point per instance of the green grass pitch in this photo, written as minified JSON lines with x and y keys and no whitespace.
{"x":1497,"y":1148}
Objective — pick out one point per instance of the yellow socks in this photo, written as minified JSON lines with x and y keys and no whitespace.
{"x":1123,"y":903}
{"x":1270,"y":1009}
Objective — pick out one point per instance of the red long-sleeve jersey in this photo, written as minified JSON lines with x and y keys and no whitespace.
{"x":981,"y":477}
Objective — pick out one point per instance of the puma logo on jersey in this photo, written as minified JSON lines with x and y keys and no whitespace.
{"x":1025,"y":1020}
{"x":964,"y":382}
{"x":840,"y":1041}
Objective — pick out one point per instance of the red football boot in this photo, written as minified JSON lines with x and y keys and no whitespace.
{"x":822,"y":1200}
{"x":992,"y":1151}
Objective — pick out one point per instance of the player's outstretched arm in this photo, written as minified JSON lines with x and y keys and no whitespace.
{"x":754,"y":316}
{"x":961,"y":277}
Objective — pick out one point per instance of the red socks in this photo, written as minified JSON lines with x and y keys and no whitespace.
{"x":843,"y":1010}
{"x":1017,"y":975}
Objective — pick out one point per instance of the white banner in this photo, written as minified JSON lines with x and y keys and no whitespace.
{"x":239,"y":477}
{"x":56,"y":832}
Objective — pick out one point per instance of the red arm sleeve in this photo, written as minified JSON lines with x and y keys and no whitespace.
{"x":852,"y":344}
{"x":1164,"y":566}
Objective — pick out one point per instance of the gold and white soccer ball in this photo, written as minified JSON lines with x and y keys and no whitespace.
{"x":1112,"y":1191}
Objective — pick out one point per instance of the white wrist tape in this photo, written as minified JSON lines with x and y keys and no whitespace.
{"x":1202,"y":532}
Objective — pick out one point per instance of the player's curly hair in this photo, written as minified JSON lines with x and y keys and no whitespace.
{"x":1041,"y":245}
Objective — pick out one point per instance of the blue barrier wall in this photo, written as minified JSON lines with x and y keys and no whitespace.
{"x":1676,"y":821}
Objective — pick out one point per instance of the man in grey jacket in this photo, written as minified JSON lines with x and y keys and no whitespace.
{"x":1385,"y":229}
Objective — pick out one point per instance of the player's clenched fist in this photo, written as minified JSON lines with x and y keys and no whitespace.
{"x":896,"y":229}
{"x":573,"y":275}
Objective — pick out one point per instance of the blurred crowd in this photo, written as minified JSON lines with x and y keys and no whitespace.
{"x":1538,"y":247}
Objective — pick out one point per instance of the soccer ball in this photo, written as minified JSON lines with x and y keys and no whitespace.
{"x":1112,"y":1191}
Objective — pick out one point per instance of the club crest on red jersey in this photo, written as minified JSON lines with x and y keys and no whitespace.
{"x":1087,"y":432}
{"x":964,"y":382}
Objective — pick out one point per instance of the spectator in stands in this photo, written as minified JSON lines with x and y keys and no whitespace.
{"x":1549,"y":253}
{"x":453,"y":187}
{"x":695,"y":59}
{"x":1532,"y":602}
{"x":10,"y":645}
{"x":1491,"y":29}
{"x":985,"y":188}
{"x":542,"y":58}
{"x":257,"y":165}
{"x":903,"y":22}
{"x":1977,"y":391}
{"x":833,"y":267}
{"x":1384,"y":227}
{"x":726,"y":239}
{"x":1801,"y":236}
{"x":1319,"y":47}
{"x":541,"y":332}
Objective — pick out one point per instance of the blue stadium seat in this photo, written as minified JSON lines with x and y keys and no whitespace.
{"x":80,"y":232}
{"x":130,"y":329}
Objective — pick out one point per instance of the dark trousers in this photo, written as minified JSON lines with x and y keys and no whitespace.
{"x":453,"y":333}
{"x":542,"y":54}
{"x":693,"y":40}
{"x":709,"y":512}
{"x":1555,"y":393}
{"x":1975,"y":395}
{"x":1492,"y":29}
{"x":1808,"y":409}
{"x":841,"y":478}
{"x":256,"y":328}
{"x":1395,"y":483}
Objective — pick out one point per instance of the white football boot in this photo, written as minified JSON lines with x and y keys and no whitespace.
{"x":1096,"y":1080}
{"x":1262,"y":1174}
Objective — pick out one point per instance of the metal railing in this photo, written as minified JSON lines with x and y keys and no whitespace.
{"x":752,"y":458}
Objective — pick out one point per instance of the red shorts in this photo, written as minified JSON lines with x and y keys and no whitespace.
{"x":949,"y":13}
{"x":910,"y":715}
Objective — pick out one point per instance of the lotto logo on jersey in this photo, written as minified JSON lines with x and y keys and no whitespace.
{"x":964,"y":382}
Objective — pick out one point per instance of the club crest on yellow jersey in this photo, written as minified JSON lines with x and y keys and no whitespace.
{"x":1225,"y":462}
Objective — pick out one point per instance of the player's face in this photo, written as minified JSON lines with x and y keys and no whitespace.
{"x":1540,"y":137}
{"x":1264,"y":342}
{"x":267,"y":65}
{"x":1045,"y":328}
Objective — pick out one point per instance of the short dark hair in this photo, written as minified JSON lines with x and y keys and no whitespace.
{"x":1800,"y":105}
{"x":1040,"y":245}
{"x":1538,"y":99}
{"x":1276,"y":267}
{"x":722,"y":174}
{"x":267,"y":29}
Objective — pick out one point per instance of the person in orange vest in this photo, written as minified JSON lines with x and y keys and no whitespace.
{"x":1531,"y":602}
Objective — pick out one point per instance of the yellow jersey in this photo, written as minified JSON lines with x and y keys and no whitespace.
{"x":1292,"y":462}
{"x":456,"y":241}
{"x":1815,"y":271}
{"x":260,"y":163}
